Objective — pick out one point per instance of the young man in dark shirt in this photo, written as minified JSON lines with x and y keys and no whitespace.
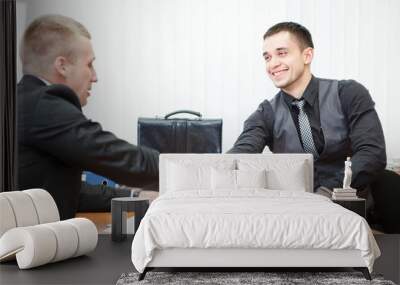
{"x":330,"y":119}
{"x":55,"y":139}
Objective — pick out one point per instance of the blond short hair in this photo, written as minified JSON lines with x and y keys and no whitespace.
{"x":45,"y":39}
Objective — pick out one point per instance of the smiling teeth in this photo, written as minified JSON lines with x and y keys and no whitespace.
{"x":278,"y":72}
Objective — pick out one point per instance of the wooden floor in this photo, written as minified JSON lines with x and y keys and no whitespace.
{"x":111,"y":259}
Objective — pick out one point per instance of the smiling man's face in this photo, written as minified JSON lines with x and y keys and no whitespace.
{"x":286,"y":63}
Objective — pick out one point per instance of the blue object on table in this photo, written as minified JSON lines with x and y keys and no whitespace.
{"x":94,"y":179}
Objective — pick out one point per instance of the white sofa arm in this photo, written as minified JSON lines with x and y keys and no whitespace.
{"x":31,"y":231}
{"x":45,"y":206}
{"x":40,"y":244}
{"x":87,"y":235}
{"x":32,"y":246}
{"x":26,"y":208}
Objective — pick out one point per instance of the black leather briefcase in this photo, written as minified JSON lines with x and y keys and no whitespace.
{"x":181,"y":135}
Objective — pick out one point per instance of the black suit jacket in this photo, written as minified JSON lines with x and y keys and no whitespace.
{"x":56,"y":142}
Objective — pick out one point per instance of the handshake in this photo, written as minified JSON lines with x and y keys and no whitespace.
{"x":133,"y":191}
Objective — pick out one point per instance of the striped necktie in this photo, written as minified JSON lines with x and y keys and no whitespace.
{"x":305,"y":129}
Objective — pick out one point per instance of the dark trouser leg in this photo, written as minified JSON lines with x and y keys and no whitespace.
{"x":386,"y":194}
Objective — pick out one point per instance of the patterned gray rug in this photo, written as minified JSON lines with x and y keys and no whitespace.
{"x":270,"y":278}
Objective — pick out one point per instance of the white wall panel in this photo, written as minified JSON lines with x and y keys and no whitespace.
{"x":156,"y":56}
{"x":391,"y":110}
{"x":197,"y":56}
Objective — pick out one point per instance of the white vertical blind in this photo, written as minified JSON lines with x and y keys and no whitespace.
{"x":156,"y":56}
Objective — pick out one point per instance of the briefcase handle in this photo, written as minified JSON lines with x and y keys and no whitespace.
{"x":183,"y":112}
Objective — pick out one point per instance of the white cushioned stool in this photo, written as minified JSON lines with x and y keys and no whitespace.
{"x":31,"y":230}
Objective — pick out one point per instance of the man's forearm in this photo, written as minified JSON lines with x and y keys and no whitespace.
{"x":366,"y":167}
{"x":248,"y":143}
{"x":255,"y":136}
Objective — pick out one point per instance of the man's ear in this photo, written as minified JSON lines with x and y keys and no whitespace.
{"x":308,"y":55}
{"x":61,"y":65}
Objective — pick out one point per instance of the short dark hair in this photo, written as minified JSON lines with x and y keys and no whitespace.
{"x":300,"y":32}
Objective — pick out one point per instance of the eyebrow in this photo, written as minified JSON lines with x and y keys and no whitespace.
{"x":278,"y":49}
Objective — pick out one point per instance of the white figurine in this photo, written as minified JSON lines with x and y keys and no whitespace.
{"x":347,"y":174}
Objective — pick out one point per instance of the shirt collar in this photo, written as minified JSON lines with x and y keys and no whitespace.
{"x":309,"y":95}
{"x":44,"y":81}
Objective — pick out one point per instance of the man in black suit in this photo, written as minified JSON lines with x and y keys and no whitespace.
{"x":55,"y":139}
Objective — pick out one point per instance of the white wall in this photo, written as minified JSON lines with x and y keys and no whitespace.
{"x":156,"y":56}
